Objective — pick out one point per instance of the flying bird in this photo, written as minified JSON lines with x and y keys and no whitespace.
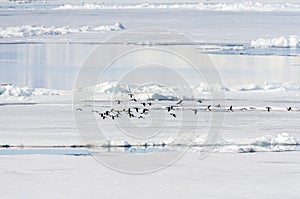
{"x":169,"y":108}
{"x":180,"y":102}
{"x":145,"y":111}
{"x":268,"y":108}
{"x":208,"y":108}
{"x":173,"y":114}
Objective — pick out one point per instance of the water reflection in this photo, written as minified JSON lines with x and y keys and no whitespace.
{"x":41,"y":65}
{"x":56,"y":66}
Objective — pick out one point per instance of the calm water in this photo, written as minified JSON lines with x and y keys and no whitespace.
{"x":41,"y":65}
{"x":56,"y":66}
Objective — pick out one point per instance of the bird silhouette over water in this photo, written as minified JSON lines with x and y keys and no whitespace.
{"x":230,"y":108}
{"x":199,"y":101}
{"x":289,"y":108}
{"x":268,"y":109}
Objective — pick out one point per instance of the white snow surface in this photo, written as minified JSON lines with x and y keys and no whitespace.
{"x":34,"y":30}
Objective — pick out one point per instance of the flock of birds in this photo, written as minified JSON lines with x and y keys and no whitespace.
{"x":143,"y":110}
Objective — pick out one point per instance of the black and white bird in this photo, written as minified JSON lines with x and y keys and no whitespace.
{"x":268,"y":108}
{"x":230,"y":108}
{"x":179,"y":103}
{"x":173,"y":114}
{"x":208,"y":108}
{"x":102,"y":115}
{"x":169,"y":108}
{"x":145,"y":111}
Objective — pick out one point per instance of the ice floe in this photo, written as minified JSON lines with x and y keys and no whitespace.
{"x":292,"y":41}
{"x":34,"y":30}
{"x":8,"y":91}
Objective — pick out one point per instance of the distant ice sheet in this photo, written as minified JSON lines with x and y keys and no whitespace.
{"x":105,"y":90}
{"x":245,"y":6}
{"x":32,"y":30}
